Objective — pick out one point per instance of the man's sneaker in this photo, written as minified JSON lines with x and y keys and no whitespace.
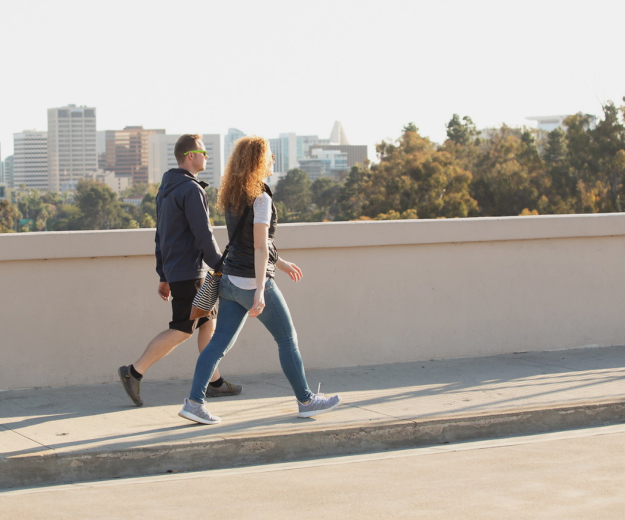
{"x":319,"y":403}
{"x":131,"y":385}
{"x":223,"y":390}
{"x":198,"y":413}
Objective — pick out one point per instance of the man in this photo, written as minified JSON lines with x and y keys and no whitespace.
{"x":184,"y":245}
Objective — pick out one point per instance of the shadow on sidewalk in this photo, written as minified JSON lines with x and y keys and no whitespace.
{"x":403,"y":391}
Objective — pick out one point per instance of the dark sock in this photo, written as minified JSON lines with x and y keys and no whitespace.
{"x":218,"y":383}
{"x":135,"y":374}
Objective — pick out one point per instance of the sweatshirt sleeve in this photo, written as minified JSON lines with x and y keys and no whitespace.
{"x":157,"y":249}
{"x":159,"y":258}
{"x":196,"y":212}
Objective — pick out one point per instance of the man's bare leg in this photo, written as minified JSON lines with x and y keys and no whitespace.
{"x":159,"y":347}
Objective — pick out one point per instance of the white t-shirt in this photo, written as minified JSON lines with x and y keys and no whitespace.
{"x":262,"y":215}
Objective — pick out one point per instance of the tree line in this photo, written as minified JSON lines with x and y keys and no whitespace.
{"x":499,"y":172}
{"x":504,"y":171}
{"x":93,"y":206}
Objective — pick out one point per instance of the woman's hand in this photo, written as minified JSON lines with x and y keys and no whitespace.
{"x":291,"y":269}
{"x":259,"y":303}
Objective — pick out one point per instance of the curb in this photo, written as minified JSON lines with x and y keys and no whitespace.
{"x":64,"y":468}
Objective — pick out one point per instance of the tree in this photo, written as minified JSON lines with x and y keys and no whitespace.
{"x":420,"y":177}
{"x":414,"y":179}
{"x":139,"y":188}
{"x":508,"y":176}
{"x":352,"y":196}
{"x":555,"y":151}
{"x":608,"y":139}
{"x":68,"y":218}
{"x":561,"y":193}
{"x":216,"y":216}
{"x":99,"y":206}
{"x":147,"y":221}
{"x":9,"y":216}
{"x":462,"y":132}
{"x":325,"y":192}
{"x":294,"y":190}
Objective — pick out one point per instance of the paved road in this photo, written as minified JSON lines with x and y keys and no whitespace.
{"x":567,"y":475}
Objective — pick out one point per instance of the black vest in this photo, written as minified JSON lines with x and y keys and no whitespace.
{"x":240,"y":261}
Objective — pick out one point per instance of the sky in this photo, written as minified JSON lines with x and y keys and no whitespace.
{"x":273,"y":66}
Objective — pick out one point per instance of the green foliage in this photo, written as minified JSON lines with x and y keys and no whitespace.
{"x":325,"y":192}
{"x":9,"y":216}
{"x":579,"y":168}
{"x":147,"y":221}
{"x":139,"y":189}
{"x":216,"y":216}
{"x":99,"y":206}
{"x":508,"y":174}
{"x":352,"y":198}
{"x":462,"y":132}
{"x":413,"y":178}
{"x":294,"y":191}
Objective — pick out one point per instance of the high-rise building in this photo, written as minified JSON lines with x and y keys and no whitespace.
{"x":30,"y":160}
{"x":127,"y":152}
{"x":117,"y":184}
{"x":338,"y":142}
{"x":7,"y":167}
{"x":72,"y":152}
{"x":285,"y":151}
{"x":161,"y":157}
{"x":338,"y":136}
{"x":230,"y":138}
{"x":304,"y":142}
{"x":324,"y":163}
{"x":356,"y":153}
{"x":100,"y":148}
{"x":212,"y":174}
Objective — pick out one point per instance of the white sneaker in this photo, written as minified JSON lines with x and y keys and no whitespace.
{"x":319,"y":403}
{"x":198,"y":413}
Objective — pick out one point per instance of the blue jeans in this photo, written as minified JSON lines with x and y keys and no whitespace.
{"x":234,"y":304}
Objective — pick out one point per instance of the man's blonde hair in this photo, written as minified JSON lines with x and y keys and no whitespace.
{"x":184,"y":144}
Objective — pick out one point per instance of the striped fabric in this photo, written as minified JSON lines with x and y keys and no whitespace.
{"x":206,"y":298}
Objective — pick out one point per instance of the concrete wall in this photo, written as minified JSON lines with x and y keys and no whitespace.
{"x":77,"y":305}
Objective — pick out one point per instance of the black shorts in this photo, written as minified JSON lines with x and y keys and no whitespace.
{"x":182,"y":294}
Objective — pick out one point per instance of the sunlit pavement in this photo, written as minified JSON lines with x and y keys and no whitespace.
{"x":79,"y":434}
{"x":573,"y":475}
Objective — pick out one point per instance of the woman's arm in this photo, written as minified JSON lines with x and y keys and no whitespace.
{"x":261,"y":258}
{"x":291,"y":269}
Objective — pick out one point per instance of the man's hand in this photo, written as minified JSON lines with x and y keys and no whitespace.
{"x":291,"y":269}
{"x":163,"y":290}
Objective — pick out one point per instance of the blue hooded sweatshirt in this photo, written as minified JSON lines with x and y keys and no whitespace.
{"x":184,"y":235}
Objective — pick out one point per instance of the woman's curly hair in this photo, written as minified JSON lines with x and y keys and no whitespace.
{"x":244,"y":175}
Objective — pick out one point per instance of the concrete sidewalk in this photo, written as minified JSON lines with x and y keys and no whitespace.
{"x":90,"y":432}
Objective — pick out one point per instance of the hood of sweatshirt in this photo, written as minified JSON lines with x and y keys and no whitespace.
{"x":174,"y":178}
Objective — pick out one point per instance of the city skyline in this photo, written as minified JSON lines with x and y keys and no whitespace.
{"x":282,"y":67}
{"x":72,"y":149}
{"x":110,"y":131}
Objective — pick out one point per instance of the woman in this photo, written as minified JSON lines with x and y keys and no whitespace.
{"x":247,"y":286}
